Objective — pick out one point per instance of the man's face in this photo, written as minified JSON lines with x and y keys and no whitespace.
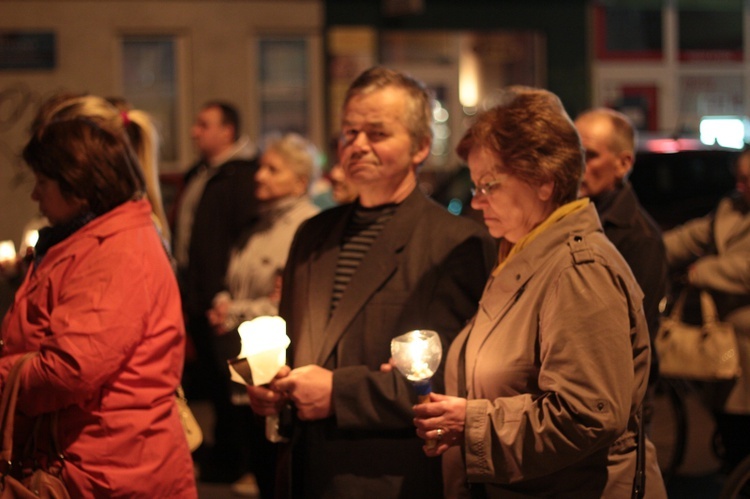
{"x":377,"y":151}
{"x":210,"y":135}
{"x":605,"y":169}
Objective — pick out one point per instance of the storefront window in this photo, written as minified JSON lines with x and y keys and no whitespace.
{"x":627,"y":31}
{"x":709,"y":95}
{"x":284,"y":85}
{"x":713,"y":34}
{"x":150,"y":83}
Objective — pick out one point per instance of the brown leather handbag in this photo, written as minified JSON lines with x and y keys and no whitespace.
{"x":706,"y":352}
{"x":36,"y":479}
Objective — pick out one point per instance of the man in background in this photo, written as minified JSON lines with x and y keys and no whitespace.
{"x":608,"y":139}
{"x":217,"y":203}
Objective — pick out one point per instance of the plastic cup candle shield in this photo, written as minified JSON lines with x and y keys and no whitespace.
{"x":264,"y":342}
{"x":416,"y":355}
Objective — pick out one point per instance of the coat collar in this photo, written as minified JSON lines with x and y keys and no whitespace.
{"x":511,"y":280}
{"x":128,"y":215}
{"x":375,"y":269}
{"x":622,"y":209}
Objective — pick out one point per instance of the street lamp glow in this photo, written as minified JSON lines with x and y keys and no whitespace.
{"x":727,"y":131}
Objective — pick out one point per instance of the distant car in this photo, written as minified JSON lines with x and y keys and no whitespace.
{"x":676,"y":180}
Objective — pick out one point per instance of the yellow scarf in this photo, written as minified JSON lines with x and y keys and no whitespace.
{"x":508,"y":250}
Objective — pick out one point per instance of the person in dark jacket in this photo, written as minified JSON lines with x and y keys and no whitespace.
{"x":357,"y":276}
{"x":216,"y":204}
{"x":608,"y":139}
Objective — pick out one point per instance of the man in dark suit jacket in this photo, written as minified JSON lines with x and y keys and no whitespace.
{"x":216,"y":205}
{"x":357,"y":276}
{"x":608,"y":139}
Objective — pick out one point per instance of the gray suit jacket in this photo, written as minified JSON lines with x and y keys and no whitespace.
{"x":426,"y":270}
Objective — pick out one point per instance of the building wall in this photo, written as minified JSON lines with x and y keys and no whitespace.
{"x":215,"y":59}
{"x":564,"y":24}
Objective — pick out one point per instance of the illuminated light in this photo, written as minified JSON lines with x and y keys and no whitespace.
{"x":263,"y":343}
{"x":668,"y":146}
{"x":441,"y":132}
{"x":417,"y":354}
{"x":31,"y":238}
{"x":439,"y":149}
{"x":263,"y":348}
{"x":7,"y":251}
{"x":441,"y":115}
{"x":455,"y":206}
{"x":726,"y":131}
{"x":468,"y":75}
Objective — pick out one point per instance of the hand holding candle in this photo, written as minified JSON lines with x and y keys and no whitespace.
{"x":263,"y":353}
{"x":417,"y":355}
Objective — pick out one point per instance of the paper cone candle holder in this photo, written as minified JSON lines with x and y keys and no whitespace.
{"x":263,"y":352}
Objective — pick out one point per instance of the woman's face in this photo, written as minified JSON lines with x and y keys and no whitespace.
{"x":511,"y":207}
{"x":52,"y":204}
{"x":275,"y":179}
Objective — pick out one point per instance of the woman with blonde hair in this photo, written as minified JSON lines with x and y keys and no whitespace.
{"x":116,"y":113}
{"x":101,"y":306}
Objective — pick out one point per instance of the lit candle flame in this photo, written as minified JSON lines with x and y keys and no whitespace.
{"x":7,"y":252}
{"x":417,"y":354}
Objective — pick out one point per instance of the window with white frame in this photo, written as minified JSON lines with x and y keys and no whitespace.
{"x":699,"y":68}
{"x":149,"y":83}
{"x":284,"y":84}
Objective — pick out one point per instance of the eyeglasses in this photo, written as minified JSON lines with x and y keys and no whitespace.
{"x":484,"y":188}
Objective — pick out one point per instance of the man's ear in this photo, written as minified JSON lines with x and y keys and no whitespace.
{"x":625,"y":162}
{"x":421,"y":154}
{"x":229,"y":133}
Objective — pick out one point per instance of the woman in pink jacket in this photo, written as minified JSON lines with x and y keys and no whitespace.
{"x":101,"y":306}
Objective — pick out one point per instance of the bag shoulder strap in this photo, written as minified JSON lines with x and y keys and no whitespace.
{"x":708,"y":308}
{"x":8,"y":406}
{"x":679,"y":305}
